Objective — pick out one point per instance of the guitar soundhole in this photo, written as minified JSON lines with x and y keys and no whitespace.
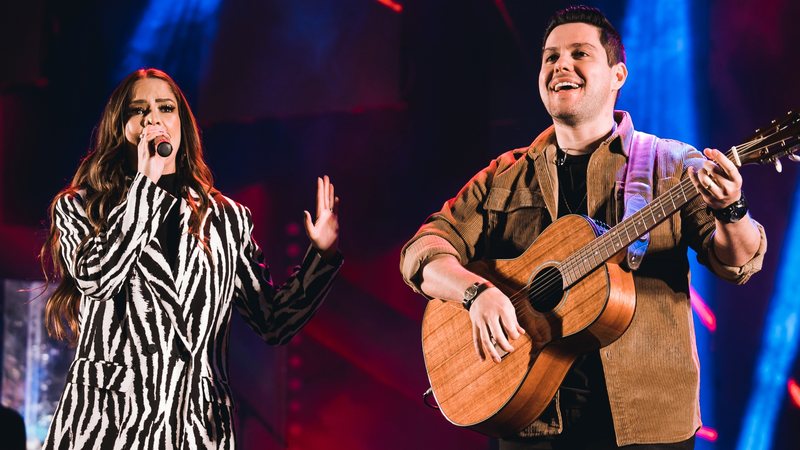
{"x":545,"y":290}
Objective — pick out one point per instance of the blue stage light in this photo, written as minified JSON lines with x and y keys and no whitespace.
{"x":779,"y":344}
{"x":174,"y":36}
{"x":660,"y":95}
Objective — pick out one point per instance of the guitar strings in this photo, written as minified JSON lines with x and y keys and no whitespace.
{"x":545,"y":285}
{"x":549,"y":284}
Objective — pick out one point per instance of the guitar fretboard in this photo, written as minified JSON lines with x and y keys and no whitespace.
{"x":779,"y":139}
{"x":592,"y":255}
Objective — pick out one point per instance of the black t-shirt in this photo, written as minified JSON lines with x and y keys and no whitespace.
{"x":169,"y":232}
{"x":572,"y":183}
{"x":584,"y":383}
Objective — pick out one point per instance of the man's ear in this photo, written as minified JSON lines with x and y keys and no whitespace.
{"x":619,"y":74}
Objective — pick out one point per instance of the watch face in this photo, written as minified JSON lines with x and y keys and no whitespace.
{"x":737,"y":211}
{"x":732,"y":213}
{"x":470,"y":292}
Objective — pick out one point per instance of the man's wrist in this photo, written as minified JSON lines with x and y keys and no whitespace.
{"x":471,"y":293}
{"x":733,"y":212}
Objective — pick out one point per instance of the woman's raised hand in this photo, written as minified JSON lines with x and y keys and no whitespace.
{"x":324,"y":231}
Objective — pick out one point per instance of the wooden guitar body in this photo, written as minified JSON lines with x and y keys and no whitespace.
{"x":499,"y":399}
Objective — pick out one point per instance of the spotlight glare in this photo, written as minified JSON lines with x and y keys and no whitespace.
{"x":708,"y":434}
{"x":704,"y":313}
{"x":794,"y":392}
{"x":391,"y":4}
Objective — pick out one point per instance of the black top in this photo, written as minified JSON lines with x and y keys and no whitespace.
{"x":584,"y":383}
{"x":169,"y":232}
{"x":571,"y":183}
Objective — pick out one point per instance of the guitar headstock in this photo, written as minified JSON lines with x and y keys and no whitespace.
{"x":769,"y":144}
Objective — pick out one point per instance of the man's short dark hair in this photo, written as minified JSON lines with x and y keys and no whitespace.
{"x":609,"y":37}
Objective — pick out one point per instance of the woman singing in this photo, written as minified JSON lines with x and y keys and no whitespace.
{"x":152,"y":259}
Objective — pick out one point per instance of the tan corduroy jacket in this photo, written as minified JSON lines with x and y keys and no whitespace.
{"x":652,"y":371}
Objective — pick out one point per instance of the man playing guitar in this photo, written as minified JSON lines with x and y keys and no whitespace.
{"x":642,"y":389}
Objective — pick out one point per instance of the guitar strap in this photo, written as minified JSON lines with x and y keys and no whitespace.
{"x":639,"y":188}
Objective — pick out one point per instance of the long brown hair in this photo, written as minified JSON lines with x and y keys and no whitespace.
{"x":103,"y":178}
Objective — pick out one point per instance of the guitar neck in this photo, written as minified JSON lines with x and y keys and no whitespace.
{"x":780,"y":138}
{"x":592,"y":255}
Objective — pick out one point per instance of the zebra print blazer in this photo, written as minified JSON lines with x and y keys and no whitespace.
{"x":150,"y":369}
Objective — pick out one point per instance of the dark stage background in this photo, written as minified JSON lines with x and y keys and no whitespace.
{"x":400,"y":103}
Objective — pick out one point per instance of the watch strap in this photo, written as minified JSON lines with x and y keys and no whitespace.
{"x":472,"y":292}
{"x":733,"y":212}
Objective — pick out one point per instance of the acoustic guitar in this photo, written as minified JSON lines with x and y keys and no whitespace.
{"x":571,"y":295}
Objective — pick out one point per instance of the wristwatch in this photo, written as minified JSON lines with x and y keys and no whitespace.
{"x":733,"y":212}
{"x":474,"y":291}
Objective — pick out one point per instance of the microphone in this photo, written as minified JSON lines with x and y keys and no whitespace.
{"x":163,"y":147}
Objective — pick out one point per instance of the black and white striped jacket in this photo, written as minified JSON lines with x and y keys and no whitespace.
{"x":151,"y":367}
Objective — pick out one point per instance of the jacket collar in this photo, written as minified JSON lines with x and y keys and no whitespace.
{"x":609,"y":157}
{"x":619,"y":141}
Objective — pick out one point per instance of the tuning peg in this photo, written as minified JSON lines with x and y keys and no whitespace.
{"x":778,"y":166}
{"x":795,"y":158}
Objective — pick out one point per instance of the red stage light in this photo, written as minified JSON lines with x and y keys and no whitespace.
{"x":292,"y":229}
{"x":794,"y":392}
{"x":293,"y":250}
{"x":709,"y":434}
{"x":391,"y":4}
{"x":704,"y":313}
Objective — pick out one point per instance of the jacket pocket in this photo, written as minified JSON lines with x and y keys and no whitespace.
{"x":103,"y":390}
{"x":101,"y":374}
{"x":515,"y":218}
{"x":217,"y":411}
